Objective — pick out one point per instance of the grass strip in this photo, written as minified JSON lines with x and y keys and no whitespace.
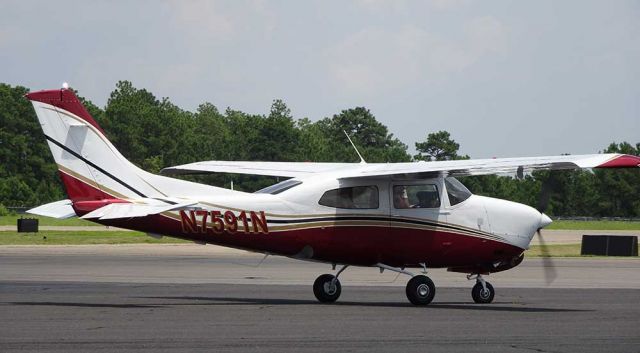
{"x":47,"y":221}
{"x":82,"y":238}
{"x":562,"y":250}
{"x":594,"y":225}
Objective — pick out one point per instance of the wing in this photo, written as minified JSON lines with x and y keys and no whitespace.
{"x":455,"y":168}
{"x":496,"y":165}
{"x":283,"y":169}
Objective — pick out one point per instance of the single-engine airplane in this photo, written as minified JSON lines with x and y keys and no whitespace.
{"x":389,"y":216}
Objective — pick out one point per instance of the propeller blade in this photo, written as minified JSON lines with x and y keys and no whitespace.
{"x":550,"y":273}
{"x":545,"y":196}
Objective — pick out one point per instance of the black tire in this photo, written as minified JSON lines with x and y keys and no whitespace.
{"x":420,"y":290}
{"x":323,"y":291}
{"x":481,"y":296}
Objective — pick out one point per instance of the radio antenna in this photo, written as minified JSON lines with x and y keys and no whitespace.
{"x":355,"y":148}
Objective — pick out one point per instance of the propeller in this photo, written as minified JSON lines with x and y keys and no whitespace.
{"x":550,"y":272}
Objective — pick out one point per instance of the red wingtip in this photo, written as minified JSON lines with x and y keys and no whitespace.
{"x":64,"y":99}
{"x":622,"y":161}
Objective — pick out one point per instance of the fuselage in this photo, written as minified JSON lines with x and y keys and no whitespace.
{"x":312,"y":219}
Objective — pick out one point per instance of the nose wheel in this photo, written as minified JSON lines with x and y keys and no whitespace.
{"x":482,"y":292}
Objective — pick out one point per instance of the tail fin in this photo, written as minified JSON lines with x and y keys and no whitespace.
{"x":90,"y":167}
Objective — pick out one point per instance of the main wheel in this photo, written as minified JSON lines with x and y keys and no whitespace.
{"x":324,"y":290}
{"x":482,"y":296}
{"x":420,"y":290}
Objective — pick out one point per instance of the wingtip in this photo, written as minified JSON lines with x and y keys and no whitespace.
{"x":622,"y":161}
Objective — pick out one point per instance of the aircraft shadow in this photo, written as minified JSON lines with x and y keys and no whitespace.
{"x":88,"y":305}
{"x":436,"y":305}
{"x":222,"y":301}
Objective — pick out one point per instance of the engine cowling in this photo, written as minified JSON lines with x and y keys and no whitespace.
{"x":488,"y":268}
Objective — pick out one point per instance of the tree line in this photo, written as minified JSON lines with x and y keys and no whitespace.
{"x":155,"y":133}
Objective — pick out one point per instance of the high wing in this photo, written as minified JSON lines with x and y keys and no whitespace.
{"x":454,"y":168}
{"x":499,"y":165}
{"x":283,"y":169}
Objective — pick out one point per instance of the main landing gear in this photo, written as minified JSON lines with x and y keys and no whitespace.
{"x":420,"y":288}
{"x":327,"y":287}
{"x":482,"y":292}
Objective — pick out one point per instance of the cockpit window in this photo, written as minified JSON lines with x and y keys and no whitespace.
{"x":360,"y":197}
{"x":456,"y":191}
{"x":416,"y":196}
{"x":279,"y":187}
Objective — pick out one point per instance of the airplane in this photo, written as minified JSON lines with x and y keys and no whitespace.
{"x":388,"y":216}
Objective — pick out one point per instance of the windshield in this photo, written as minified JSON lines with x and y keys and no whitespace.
{"x":279,"y":187}
{"x":456,"y":191}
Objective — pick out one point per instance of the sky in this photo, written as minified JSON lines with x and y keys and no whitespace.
{"x":505,"y":78}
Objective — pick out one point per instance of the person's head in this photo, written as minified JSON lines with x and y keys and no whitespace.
{"x":428,"y":199}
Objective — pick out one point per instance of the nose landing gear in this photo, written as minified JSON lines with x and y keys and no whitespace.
{"x":482,"y":292}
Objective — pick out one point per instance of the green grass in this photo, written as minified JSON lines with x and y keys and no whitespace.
{"x":82,"y":238}
{"x":47,"y":221}
{"x":558,"y":250}
{"x":594,"y":225}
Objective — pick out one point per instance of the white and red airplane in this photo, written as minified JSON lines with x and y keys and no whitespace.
{"x":389,"y":216}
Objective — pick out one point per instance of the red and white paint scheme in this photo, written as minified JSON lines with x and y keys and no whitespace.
{"x":389,"y":216}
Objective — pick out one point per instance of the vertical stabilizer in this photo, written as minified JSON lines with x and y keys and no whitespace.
{"x":91,"y":168}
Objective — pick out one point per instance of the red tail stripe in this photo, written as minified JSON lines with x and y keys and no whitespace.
{"x":64,"y":99}
{"x":78,"y":190}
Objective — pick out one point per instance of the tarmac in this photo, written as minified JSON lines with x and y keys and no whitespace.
{"x":175,"y":298}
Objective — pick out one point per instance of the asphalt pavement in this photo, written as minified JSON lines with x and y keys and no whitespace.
{"x":176,"y":298}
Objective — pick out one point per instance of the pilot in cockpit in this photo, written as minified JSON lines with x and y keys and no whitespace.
{"x":427,"y":199}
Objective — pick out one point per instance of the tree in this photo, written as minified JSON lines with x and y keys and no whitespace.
{"x":438,"y":147}
{"x":26,"y":164}
{"x":619,"y":189}
{"x":151,"y":133}
{"x":371,"y":137}
{"x":279,"y":139}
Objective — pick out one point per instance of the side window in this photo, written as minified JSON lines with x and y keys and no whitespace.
{"x":416,"y":196}
{"x":361,"y":197}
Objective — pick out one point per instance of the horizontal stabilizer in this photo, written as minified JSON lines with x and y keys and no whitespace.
{"x":130,"y":210}
{"x":60,"y":209}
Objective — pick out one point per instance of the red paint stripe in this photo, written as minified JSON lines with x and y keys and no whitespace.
{"x":623,"y":161}
{"x":66,"y":100}
{"x":349,"y":245}
{"x":78,"y":190}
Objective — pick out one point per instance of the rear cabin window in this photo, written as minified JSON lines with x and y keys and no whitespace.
{"x":357,"y":197}
{"x":456,"y":191}
{"x":279,"y":187}
{"x":416,"y":196}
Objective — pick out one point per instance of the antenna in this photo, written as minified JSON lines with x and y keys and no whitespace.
{"x":354,"y":147}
